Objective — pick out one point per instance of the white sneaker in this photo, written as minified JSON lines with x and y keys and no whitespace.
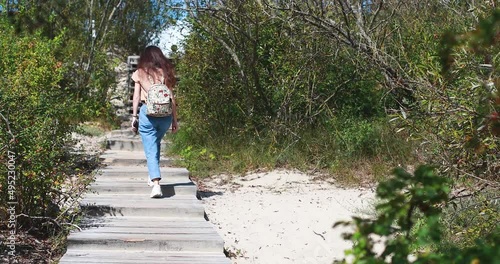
{"x":156,"y":192}
{"x":150,"y":182}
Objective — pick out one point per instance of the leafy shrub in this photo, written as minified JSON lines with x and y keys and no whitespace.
{"x":469,"y":217}
{"x":36,"y":120}
{"x":456,"y":117}
{"x":279,"y":93}
{"x":269,"y":81}
{"x":409,"y":219}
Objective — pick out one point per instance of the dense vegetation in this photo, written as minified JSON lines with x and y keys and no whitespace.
{"x":57,"y":69}
{"x":352,"y":88}
{"x":409,"y":223}
{"x":317,"y":84}
{"x":345,"y":88}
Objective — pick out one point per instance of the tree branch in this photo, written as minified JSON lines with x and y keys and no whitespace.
{"x":110,"y":17}
{"x":231,"y":52}
{"x":9,"y":131}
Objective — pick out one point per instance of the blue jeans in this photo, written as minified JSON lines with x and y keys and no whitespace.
{"x":152,"y":130}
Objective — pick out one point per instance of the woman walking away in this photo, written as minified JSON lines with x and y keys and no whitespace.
{"x":154,"y":73}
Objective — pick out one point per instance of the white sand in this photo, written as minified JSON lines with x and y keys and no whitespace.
{"x":282,"y":216}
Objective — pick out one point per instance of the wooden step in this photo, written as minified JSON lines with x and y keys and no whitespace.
{"x":122,"y":224}
{"x":130,"y":158}
{"x":142,"y":205}
{"x":143,"y":257}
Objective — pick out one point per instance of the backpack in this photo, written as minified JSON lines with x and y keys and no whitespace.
{"x":159,"y":99}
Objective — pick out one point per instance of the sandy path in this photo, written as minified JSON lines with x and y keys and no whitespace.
{"x":282,"y":217}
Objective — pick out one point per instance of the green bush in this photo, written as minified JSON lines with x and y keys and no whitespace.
{"x":36,"y":121}
{"x":291,"y":98}
{"x":469,"y":217}
{"x":269,"y":82}
{"x":409,"y":219}
{"x":456,"y":114}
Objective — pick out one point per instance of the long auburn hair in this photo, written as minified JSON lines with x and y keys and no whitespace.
{"x":152,"y":58}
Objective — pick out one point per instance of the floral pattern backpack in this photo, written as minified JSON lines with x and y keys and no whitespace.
{"x":159,"y":99}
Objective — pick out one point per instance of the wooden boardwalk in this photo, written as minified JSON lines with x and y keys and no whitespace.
{"x":124,"y":225}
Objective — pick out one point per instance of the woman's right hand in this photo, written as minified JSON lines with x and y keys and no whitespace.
{"x":134,"y":125}
{"x":175,"y":125}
